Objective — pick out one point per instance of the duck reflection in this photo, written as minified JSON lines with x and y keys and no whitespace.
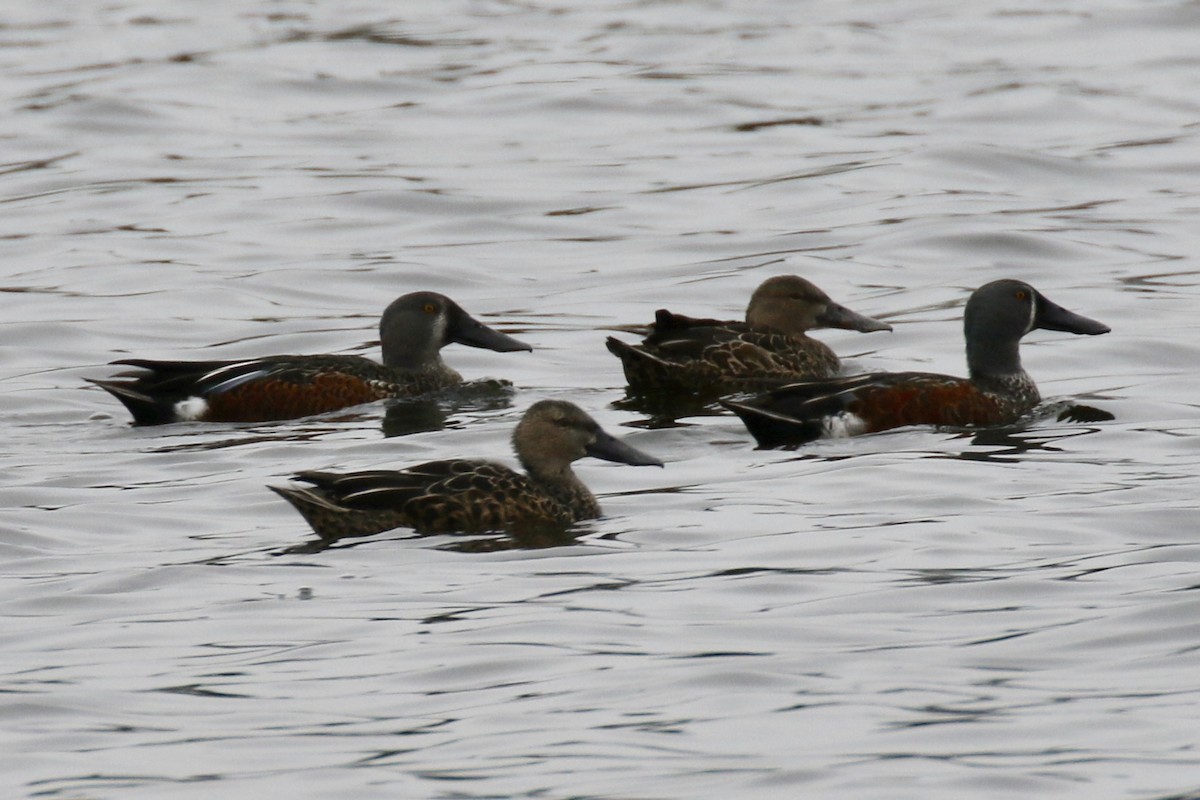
{"x":431,"y":413}
{"x":1013,"y":443}
{"x":532,"y":537}
{"x":664,"y":411}
{"x":404,"y":417}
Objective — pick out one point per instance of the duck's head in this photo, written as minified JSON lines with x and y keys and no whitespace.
{"x":554,"y":433}
{"x":791,"y":304}
{"x":999,"y":313}
{"x":416,"y":326}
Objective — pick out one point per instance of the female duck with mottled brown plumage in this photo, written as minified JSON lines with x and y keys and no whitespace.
{"x":467,"y":495}
{"x":685,"y":357}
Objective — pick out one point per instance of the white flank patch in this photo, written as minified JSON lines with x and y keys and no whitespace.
{"x":193,"y":408}
{"x":843,"y":425}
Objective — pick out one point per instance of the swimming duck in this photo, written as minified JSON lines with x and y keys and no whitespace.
{"x":997,"y":392}
{"x":471,"y":496}
{"x":710,"y":357}
{"x":412,"y":330}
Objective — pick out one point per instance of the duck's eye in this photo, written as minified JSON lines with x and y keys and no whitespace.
{"x":1022,"y":294}
{"x":429,"y":308}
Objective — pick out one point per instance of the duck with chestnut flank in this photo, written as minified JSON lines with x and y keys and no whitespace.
{"x":690,"y":356}
{"x":997,"y":392}
{"x":412,"y":332}
{"x":471,"y":496}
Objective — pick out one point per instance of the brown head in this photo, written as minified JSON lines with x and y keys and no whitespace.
{"x":792,"y":305}
{"x":555,"y":433}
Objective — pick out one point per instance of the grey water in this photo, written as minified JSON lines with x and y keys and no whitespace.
{"x":916,"y":614}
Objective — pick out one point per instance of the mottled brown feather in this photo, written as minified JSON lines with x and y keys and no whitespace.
{"x":710,"y":357}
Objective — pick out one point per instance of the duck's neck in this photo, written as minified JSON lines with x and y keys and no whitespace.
{"x":563,"y":485}
{"x":995,"y":366}
{"x":427,"y":360}
{"x":991,"y":355}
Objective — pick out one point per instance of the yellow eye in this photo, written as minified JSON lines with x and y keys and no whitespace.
{"x":430,"y":308}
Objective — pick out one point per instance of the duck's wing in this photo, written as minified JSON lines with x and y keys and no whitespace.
{"x":451,"y":496}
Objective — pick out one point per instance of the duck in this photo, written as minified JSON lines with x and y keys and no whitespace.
{"x":469,"y":495}
{"x":697,"y":357}
{"x":412,"y":331}
{"x":997,"y":392}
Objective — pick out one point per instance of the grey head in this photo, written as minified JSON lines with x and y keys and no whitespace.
{"x":416,"y":326}
{"x":555,"y":433}
{"x":999,"y":313}
{"x":790,"y":304}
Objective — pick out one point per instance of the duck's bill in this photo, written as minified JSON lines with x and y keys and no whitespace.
{"x":610,"y":448}
{"x":473,"y":333}
{"x":1053,"y":317}
{"x":838,"y":316}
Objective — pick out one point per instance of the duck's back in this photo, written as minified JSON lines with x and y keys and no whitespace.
{"x":475,"y":496}
{"x":709,"y":356}
{"x":452,"y":496}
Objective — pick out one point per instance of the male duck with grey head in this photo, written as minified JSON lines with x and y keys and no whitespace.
{"x":412,"y":332}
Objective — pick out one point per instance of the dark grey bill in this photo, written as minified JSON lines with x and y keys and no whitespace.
{"x":467,"y":330}
{"x":838,"y":316}
{"x":1053,"y":317}
{"x":610,"y":448}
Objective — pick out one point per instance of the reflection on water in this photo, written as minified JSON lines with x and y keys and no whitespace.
{"x":413,"y":416}
{"x":743,"y":623}
{"x":526,"y":538}
{"x":663,"y":411}
{"x":1011,"y":443}
{"x":430,"y":413}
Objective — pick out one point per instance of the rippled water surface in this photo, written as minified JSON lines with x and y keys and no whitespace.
{"x":918,"y":614}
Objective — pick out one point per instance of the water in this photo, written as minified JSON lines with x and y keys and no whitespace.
{"x":917,"y":614}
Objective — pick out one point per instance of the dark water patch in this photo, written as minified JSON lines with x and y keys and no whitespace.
{"x":1162,"y":280}
{"x":199,"y":690}
{"x":531,"y":538}
{"x":754,"y":183}
{"x":1012,"y":444}
{"x":1165,"y":140}
{"x":36,"y":164}
{"x":384,"y":33}
{"x":749,"y":127}
{"x":575,"y":212}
